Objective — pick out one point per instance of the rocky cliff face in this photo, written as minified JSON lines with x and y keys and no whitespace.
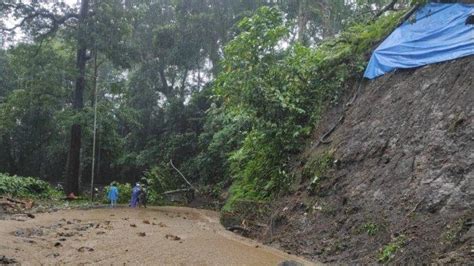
{"x":396,"y":181}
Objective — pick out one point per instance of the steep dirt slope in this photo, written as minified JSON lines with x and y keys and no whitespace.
{"x":397,"y":176}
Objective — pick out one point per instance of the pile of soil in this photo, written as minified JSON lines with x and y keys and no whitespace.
{"x":398,"y":183}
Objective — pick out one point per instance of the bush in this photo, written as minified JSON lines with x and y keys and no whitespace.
{"x":27,"y":187}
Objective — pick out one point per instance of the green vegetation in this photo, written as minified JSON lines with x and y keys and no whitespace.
{"x":389,"y":250}
{"x":280,"y":94}
{"x":316,"y":168}
{"x":26,"y":187}
{"x":229,"y":91}
{"x":370,"y":228}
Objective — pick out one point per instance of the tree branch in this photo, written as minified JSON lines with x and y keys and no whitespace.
{"x":31,"y":13}
{"x":386,"y":8}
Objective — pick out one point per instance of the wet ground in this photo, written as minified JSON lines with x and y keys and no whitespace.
{"x":153,"y":236}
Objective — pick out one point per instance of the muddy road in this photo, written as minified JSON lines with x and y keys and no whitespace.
{"x":153,"y":236}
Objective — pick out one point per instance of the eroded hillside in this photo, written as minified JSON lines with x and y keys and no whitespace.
{"x":395,"y":181}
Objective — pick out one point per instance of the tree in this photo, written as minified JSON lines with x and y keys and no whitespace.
{"x":74,"y":155}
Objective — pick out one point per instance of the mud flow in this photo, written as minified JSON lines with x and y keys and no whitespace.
{"x":152,"y":236}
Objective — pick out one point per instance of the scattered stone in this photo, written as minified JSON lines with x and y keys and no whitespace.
{"x":55,"y":226}
{"x":84,"y":249}
{"x":172,"y":237}
{"x":100,"y":233}
{"x":142,"y":234}
{"x":62,"y":239}
{"x":58,"y":244}
{"x":133,"y":225}
{"x":162,"y":224}
{"x":84,"y":227}
{"x":146,"y":222}
{"x":289,"y":263}
{"x":29,"y":241}
{"x":53,"y":255}
{"x":69,"y":222}
{"x":66,"y":234}
{"x":30,"y":215}
{"x":28,"y":232}
{"x":4,"y":260}
{"x":257,"y":246}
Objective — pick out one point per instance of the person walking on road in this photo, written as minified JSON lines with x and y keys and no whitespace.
{"x":142,"y":197}
{"x":113,"y":195}
{"x":135,"y":193}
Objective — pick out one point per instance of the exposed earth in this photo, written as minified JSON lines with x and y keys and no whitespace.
{"x":394,"y":182}
{"x":152,"y":236}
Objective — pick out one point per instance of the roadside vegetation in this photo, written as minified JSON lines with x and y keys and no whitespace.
{"x":27,"y":187}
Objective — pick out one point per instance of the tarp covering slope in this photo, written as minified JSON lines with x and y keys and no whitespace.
{"x":439,"y":33}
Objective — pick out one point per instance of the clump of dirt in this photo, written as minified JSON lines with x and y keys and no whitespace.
{"x":85,"y":249}
{"x":172,"y":237}
{"x":394,"y":182}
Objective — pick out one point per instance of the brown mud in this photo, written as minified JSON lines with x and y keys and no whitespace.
{"x":152,"y":236}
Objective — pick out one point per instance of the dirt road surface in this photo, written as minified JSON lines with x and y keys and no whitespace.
{"x":153,"y":236}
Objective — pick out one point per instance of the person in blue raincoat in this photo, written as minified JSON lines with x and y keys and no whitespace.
{"x":113,"y":194}
{"x":135,"y":193}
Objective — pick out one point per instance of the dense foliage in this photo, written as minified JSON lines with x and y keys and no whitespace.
{"x":27,"y":187}
{"x":281,"y":92}
{"x":227,"y":90}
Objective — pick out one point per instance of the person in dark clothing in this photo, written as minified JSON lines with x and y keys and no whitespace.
{"x":135,"y":193}
{"x":142,"y":197}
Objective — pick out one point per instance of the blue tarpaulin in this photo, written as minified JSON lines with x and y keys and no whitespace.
{"x":439,"y":33}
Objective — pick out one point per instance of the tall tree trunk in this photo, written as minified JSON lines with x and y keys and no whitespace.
{"x":166,"y":88}
{"x":303,"y":18}
{"x":214,"y":57}
{"x":74,"y":156}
